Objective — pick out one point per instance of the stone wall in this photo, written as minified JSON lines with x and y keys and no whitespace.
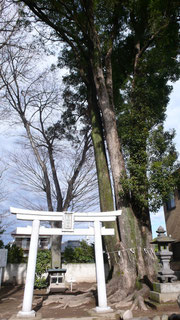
{"x":80,"y":272}
{"x":14,"y":273}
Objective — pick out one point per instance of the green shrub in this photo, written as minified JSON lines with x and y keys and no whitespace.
{"x":40,"y":283}
{"x":43,"y":263}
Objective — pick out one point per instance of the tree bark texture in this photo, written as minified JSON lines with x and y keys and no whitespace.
{"x":56,"y":247}
{"x":104,"y":182}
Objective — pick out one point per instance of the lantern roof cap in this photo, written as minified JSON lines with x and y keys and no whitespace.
{"x":162,"y":237}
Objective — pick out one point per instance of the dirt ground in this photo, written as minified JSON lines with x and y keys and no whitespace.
{"x":11,"y":298}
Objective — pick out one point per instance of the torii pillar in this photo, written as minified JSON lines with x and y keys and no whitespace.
{"x":67,"y":219}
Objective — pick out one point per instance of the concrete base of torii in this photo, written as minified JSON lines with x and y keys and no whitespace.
{"x":103,"y":310}
{"x":21,"y":316}
{"x":28,"y":314}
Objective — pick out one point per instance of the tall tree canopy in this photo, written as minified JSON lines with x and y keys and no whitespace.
{"x":124,"y":53}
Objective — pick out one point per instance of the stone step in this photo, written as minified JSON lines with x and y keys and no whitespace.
{"x":164,"y":297}
{"x":166,"y":287}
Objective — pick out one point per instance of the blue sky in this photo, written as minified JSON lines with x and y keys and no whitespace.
{"x":172,"y":121}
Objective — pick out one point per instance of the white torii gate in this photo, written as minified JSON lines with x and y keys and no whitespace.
{"x":68,"y":219}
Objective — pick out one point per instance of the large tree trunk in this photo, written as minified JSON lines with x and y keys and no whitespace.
{"x":104,"y":182}
{"x":136,"y":258}
{"x":128,"y":267}
{"x":131,"y":252}
{"x":111,"y":134}
{"x":56,"y":247}
{"x":135,"y":235}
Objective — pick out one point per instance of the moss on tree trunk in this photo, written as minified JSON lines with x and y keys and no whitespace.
{"x":104,"y":182}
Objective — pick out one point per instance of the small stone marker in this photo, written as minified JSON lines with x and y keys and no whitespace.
{"x":71,"y":283}
{"x":127,"y":315}
{"x":3,"y":261}
{"x":3,"y":258}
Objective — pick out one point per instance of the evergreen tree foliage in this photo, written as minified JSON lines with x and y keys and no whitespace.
{"x":82,"y":254}
{"x":142,"y":101}
{"x":43,"y":262}
{"x":161,"y":163}
{"x":15,"y":254}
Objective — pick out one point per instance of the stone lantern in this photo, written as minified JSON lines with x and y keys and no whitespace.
{"x":165,"y":274}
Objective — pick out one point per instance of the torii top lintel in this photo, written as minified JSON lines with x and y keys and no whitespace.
{"x":24,"y":214}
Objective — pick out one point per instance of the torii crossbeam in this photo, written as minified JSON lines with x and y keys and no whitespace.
{"x":68,"y":219}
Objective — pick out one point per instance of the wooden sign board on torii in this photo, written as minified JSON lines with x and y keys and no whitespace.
{"x":68,"y":219}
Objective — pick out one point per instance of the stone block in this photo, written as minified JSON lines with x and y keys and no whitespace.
{"x":156,"y":318}
{"x":141,"y":318}
{"x":166,"y":287}
{"x":3,"y":257}
{"x":163,"y":297}
{"x":127,"y":315}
